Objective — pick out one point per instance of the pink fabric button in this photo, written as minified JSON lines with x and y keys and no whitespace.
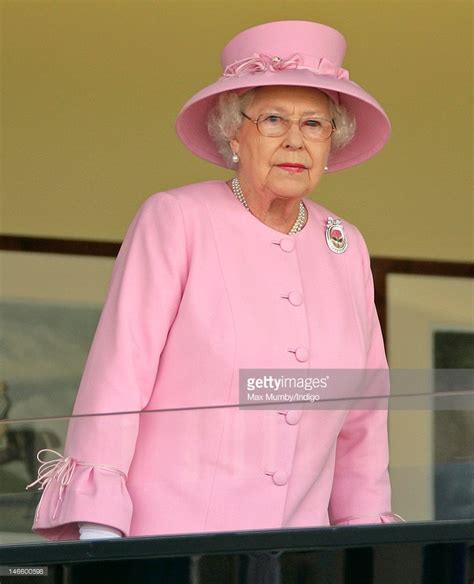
{"x":302,"y":354}
{"x":280,"y":478}
{"x":293,"y":417}
{"x":287,"y":244}
{"x":295,"y":298}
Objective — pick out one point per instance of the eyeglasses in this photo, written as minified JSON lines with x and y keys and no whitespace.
{"x":312,"y":128}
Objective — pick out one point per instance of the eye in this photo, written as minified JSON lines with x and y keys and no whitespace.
{"x":312,"y":123}
{"x":272,"y":119}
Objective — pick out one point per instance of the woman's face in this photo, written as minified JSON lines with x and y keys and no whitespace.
{"x":261,"y":157}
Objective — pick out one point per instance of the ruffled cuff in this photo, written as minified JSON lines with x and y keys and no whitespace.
{"x":75,"y":491}
{"x":387,"y":517}
{"x":97,"y":531}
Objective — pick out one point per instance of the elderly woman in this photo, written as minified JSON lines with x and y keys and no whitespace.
{"x":217,"y":277}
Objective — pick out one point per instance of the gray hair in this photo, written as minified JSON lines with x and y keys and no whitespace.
{"x":225,"y":119}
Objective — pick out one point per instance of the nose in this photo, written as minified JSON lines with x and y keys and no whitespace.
{"x":293,"y":137}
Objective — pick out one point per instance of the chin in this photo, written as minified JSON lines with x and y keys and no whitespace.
{"x":292,"y":188}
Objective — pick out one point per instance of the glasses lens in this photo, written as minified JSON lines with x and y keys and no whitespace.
{"x":272,"y":125}
{"x":316,"y":129}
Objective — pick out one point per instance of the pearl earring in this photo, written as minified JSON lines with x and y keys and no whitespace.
{"x":326,"y":169}
{"x":235,"y":157}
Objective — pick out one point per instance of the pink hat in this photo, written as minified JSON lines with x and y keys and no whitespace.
{"x":288,"y":52}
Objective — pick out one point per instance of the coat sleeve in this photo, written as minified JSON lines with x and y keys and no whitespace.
{"x":88,"y":483}
{"x":361,"y":492}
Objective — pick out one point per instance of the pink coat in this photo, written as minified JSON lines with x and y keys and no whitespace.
{"x":200,"y":289}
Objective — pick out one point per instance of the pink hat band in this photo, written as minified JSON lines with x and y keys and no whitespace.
{"x":260,"y":62}
{"x":291,"y":53}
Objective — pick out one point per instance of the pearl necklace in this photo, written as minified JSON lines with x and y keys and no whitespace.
{"x":300,"y":220}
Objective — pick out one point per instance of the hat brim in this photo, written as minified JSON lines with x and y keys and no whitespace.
{"x":372,"y":123}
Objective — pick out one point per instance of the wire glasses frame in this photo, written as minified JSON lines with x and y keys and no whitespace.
{"x":307,"y":131}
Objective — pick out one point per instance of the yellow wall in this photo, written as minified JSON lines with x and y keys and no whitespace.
{"x":92,"y":88}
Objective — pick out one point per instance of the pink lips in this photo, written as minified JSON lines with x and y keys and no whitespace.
{"x":291,"y":167}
